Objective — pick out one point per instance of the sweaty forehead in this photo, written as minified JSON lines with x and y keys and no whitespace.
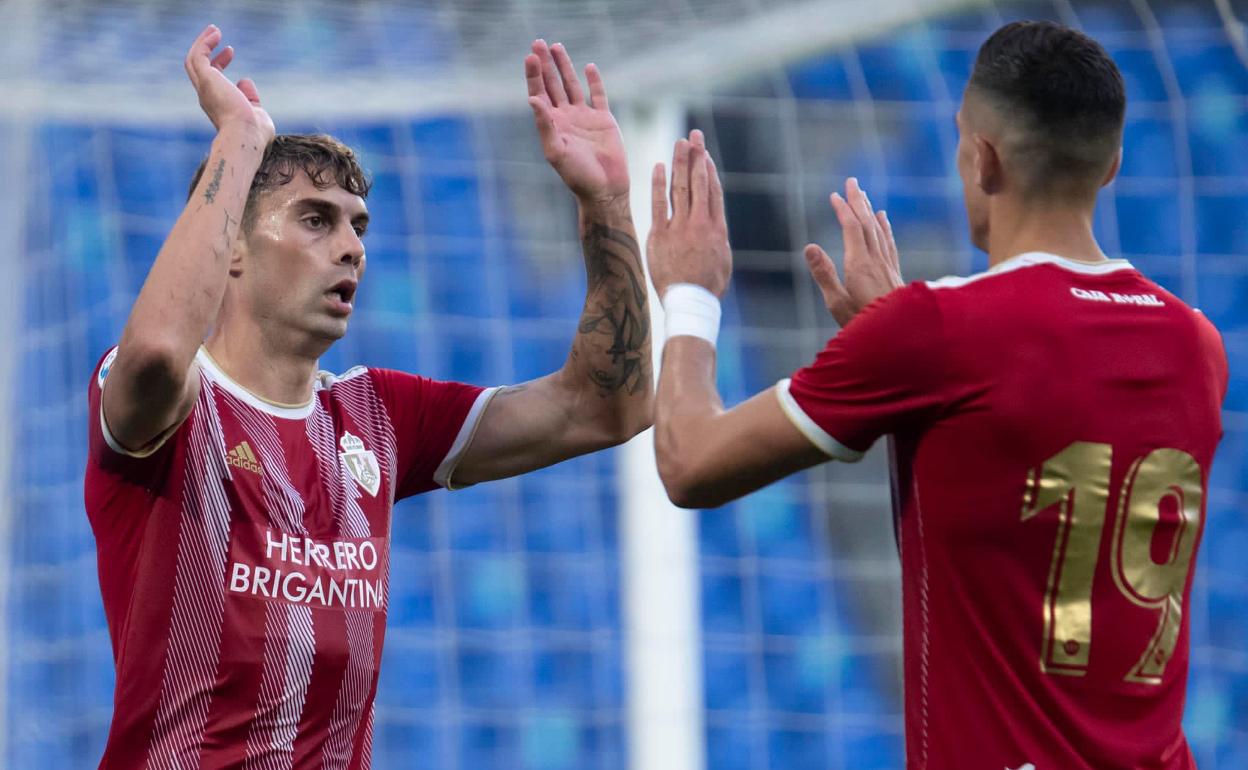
{"x":300,"y":190}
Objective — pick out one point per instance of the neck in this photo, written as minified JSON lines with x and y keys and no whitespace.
{"x":278,"y":373}
{"x":1023,"y":227}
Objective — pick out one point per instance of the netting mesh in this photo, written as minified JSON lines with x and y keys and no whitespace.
{"x":504,"y":648}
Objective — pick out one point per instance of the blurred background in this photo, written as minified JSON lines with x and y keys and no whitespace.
{"x":570,"y":619}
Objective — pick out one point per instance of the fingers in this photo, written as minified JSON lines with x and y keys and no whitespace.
{"x":200,"y":50}
{"x":248,"y":87}
{"x":852,"y":231}
{"x":890,"y":243}
{"x":567,"y":73}
{"x":717,"y":192}
{"x":823,"y":270}
{"x":699,"y":182}
{"x":705,"y":188}
{"x":550,"y":75}
{"x":658,"y":197}
{"x":223,"y":59}
{"x":533,"y":78}
{"x":597,"y":90}
{"x":680,"y":179}
{"x":861,"y":207}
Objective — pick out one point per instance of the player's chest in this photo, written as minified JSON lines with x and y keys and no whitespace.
{"x":317,"y":477}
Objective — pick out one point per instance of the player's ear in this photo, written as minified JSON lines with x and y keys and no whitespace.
{"x":988,"y":168}
{"x":238,"y":254}
{"x":1114,"y":168}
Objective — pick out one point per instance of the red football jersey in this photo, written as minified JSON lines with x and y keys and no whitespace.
{"x":243,"y":564}
{"x":1054,"y":425}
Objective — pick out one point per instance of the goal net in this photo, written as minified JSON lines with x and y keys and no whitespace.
{"x":523,"y":629}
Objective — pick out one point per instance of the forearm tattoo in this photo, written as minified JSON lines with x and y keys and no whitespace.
{"x":613,"y":340}
{"x":210,"y":192}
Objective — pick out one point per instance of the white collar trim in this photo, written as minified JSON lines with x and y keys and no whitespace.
{"x":1030,"y":259}
{"x":229,"y":384}
{"x":1044,"y":258}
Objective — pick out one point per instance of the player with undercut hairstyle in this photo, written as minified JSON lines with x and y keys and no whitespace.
{"x":1054,"y":420}
{"x":241,"y":499}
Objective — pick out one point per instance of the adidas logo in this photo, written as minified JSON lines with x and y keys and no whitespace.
{"x":241,"y":456}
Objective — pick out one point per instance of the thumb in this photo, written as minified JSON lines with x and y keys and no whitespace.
{"x":248,"y":87}
{"x":823,"y":270}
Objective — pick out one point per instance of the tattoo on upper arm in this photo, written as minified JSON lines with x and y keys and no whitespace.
{"x":615,"y":313}
{"x":210,"y":192}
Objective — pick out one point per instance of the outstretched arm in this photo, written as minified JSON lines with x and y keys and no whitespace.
{"x":602,"y":395}
{"x":708,"y":455}
{"x":150,"y":387}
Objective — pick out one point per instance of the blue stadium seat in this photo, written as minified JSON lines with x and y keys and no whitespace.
{"x":414,"y":669}
{"x":730,"y":745}
{"x":793,"y":684}
{"x":1148,"y":147}
{"x":897,"y":71}
{"x":726,"y":679}
{"x":490,"y":676}
{"x":797,"y":748}
{"x":821,"y":78}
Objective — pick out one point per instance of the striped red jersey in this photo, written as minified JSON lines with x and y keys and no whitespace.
{"x":243,"y":564}
{"x":1054,"y":423}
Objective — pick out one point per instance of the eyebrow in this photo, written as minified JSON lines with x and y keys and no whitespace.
{"x":330,"y":210}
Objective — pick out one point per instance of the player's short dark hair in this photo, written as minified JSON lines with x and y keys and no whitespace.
{"x":1062,"y":94}
{"x":323,"y":158}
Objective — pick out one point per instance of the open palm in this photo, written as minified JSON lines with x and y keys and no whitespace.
{"x":580,"y":137}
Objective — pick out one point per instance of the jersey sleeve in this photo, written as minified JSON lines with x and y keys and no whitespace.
{"x":883,"y":373}
{"x":433,"y":423}
{"x":146,"y":467}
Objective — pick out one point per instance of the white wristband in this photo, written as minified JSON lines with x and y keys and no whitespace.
{"x":691,"y":310}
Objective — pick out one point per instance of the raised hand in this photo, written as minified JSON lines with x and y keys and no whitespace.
{"x":580,"y":137}
{"x":690,"y":246}
{"x":225,"y":103}
{"x":872,"y":266}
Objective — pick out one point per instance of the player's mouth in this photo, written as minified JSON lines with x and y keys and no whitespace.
{"x":341,"y":295}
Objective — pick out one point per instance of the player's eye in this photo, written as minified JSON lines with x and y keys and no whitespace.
{"x":314,"y":221}
{"x":360,"y":230}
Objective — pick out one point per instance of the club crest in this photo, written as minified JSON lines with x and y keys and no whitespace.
{"x":361,"y":463}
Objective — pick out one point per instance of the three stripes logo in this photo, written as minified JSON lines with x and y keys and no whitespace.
{"x":241,"y":456}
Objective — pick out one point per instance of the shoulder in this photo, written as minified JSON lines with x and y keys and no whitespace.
{"x":1208,"y":337}
{"x":912,"y":308}
{"x":898,"y":332}
{"x":1211,"y":345}
{"x":915,"y":298}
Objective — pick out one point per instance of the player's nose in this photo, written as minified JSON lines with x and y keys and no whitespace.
{"x":352,"y":251}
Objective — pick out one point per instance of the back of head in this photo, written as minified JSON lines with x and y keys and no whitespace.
{"x":1058,"y":102}
{"x":323,"y":158}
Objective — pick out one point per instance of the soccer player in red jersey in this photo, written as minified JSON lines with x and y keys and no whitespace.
{"x":1054,"y":420}
{"x":241,"y":499}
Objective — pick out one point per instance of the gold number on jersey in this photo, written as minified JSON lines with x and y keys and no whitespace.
{"x":1076,"y":481}
{"x":1162,"y":477}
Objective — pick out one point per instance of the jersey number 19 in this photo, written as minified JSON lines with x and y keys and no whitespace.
{"x":1075,"y":481}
